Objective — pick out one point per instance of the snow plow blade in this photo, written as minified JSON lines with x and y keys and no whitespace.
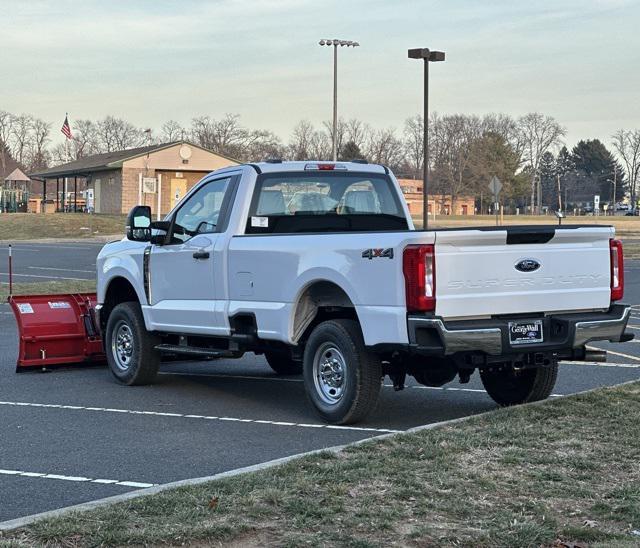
{"x":56,"y":330}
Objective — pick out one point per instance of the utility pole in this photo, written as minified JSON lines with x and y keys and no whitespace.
{"x":559,"y":194}
{"x":335,"y":43}
{"x":427,"y":55}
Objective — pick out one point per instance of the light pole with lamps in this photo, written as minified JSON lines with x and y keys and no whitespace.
{"x":427,"y":55}
{"x":335,"y":43}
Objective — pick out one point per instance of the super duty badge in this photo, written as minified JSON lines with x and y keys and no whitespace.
{"x":378,"y":253}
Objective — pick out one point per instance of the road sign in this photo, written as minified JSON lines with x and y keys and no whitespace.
{"x":596,"y":201}
{"x":495,"y":186}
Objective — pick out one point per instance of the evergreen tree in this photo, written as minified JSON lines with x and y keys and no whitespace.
{"x":598,"y":167}
{"x":351,"y":151}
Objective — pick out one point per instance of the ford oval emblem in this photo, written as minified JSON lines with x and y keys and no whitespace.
{"x":527,"y":265}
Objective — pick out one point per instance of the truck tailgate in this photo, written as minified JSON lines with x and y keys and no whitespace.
{"x":480,"y":272}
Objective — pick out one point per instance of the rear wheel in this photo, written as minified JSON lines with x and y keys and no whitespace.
{"x":341,"y":376}
{"x":129,"y":347}
{"x":510,"y":387}
{"x":283,"y":364}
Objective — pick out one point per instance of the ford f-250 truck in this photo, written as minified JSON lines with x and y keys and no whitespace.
{"x":317,"y":265}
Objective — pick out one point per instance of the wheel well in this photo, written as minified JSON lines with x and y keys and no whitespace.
{"x":119,"y":291}
{"x":320,"y":301}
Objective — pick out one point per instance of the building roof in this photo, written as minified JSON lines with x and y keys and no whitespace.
{"x":108,"y":160}
{"x":17,"y":175}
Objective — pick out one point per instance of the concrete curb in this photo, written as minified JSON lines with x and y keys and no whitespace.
{"x":28,"y":520}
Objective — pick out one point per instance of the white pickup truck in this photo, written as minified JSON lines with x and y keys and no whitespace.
{"x":317,"y":265}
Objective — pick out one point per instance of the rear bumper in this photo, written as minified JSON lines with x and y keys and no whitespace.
{"x":562,"y":332}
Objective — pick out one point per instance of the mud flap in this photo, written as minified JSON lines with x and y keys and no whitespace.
{"x":56,"y":330}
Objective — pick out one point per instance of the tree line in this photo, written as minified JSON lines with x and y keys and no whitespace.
{"x":526,"y":153}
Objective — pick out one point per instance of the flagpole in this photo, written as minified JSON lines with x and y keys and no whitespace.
{"x":66,"y":145}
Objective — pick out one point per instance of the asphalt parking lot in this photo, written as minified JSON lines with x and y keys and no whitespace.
{"x":74,"y":435}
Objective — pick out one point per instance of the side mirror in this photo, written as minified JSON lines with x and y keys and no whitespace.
{"x":139,"y":224}
{"x":161,"y":229}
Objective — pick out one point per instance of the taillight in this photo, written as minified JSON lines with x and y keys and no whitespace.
{"x":617,"y":270}
{"x":419,"y":267}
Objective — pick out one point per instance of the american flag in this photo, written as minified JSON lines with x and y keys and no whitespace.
{"x":66,"y":128}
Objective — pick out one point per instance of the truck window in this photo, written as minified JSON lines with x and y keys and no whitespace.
{"x":285,"y":203}
{"x":200,"y":211}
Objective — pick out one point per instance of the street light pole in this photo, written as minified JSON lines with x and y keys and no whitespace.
{"x":335,"y":43}
{"x":427,"y":55}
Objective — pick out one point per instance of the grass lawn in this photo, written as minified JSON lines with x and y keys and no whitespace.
{"x":29,"y":226}
{"x":542,"y":475}
{"x":66,"y":286}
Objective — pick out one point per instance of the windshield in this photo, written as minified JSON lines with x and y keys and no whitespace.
{"x":322,"y":202}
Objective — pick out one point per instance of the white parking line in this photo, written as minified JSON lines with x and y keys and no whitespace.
{"x":600,"y":364}
{"x":60,"y":269}
{"x":39,"y":276}
{"x":82,"y":479}
{"x":202,"y":417}
{"x":455,"y":389}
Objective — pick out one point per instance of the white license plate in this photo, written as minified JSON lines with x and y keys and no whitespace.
{"x":526,"y":332}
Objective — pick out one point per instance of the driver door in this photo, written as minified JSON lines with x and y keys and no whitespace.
{"x":182,"y":290}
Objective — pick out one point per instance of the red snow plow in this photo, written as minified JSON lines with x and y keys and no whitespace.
{"x":56,"y":330}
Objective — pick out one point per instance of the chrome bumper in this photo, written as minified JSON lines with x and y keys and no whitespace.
{"x":491,"y":336}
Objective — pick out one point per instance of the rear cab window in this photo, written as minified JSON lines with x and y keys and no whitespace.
{"x":311,"y":201}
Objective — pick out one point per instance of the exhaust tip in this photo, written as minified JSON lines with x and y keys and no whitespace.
{"x":595,"y":355}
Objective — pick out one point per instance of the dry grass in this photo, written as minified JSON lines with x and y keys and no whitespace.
{"x":29,"y":226}
{"x":562,"y":472}
{"x":66,"y":286}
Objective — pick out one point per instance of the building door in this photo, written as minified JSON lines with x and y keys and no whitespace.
{"x":178,"y":190}
{"x":465,"y":210}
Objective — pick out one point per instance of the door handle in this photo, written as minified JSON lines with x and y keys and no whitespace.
{"x":201,"y":255}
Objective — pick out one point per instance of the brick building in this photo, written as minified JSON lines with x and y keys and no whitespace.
{"x":157,"y":176}
{"x":440,"y":203}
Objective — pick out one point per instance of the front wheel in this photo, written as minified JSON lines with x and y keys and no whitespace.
{"x":342,"y":377}
{"x":510,"y":387}
{"x":129,"y":347}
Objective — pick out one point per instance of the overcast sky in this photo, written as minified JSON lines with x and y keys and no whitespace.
{"x":149,"y":61}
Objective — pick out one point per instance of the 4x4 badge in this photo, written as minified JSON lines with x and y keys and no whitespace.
{"x":378,"y":253}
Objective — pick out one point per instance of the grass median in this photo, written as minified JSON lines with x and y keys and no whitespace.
{"x":65,"y":286}
{"x":554,"y":474}
{"x":31,"y":226}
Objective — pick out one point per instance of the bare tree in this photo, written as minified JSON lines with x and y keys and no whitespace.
{"x":357,"y":132}
{"x":117,"y":134}
{"x":171,"y":131}
{"x":6,"y":130}
{"x":301,"y":140}
{"x":538,"y":134}
{"x":384,"y":147}
{"x":20,"y":135}
{"x":37,"y":153}
{"x":627,"y":145}
{"x":413,"y":135}
{"x":453,"y":138}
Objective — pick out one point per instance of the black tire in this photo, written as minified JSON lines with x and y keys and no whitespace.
{"x":357,"y":389}
{"x":508,"y":387}
{"x":283,"y":364}
{"x":137,"y":363}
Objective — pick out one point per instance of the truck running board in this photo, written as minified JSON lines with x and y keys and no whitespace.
{"x":193,"y":351}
